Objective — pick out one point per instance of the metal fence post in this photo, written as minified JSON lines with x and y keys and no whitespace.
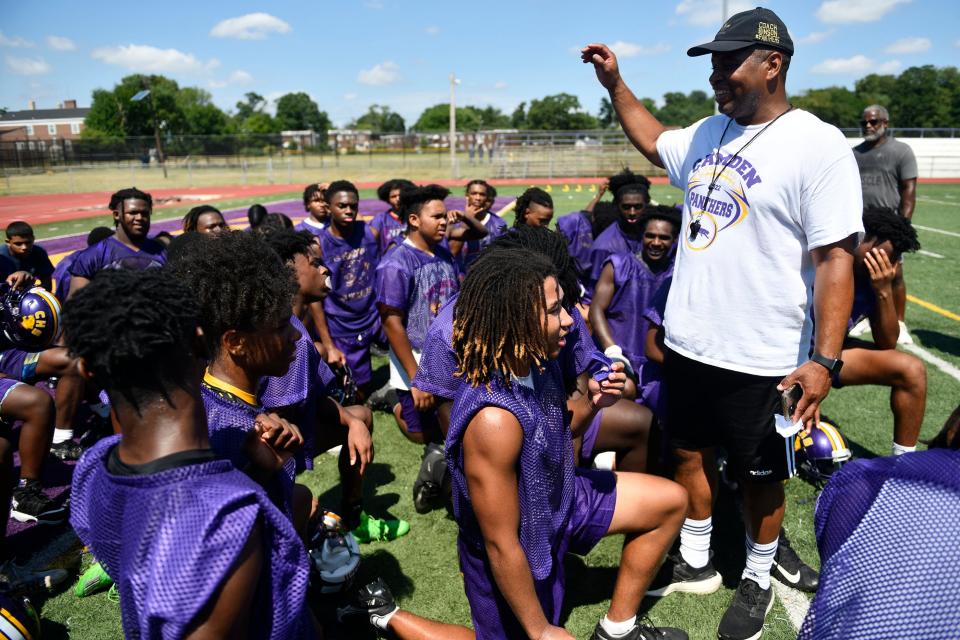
{"x":243,"y":167}
{"x":270,"y":169}
{"x":289,"y":171}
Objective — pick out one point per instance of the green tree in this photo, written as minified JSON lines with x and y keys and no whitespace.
{"x":200,"y":115}
{"x":561,"y":111}
{"x":298,"y":112}
{"x":682,"y":109}
{"x":836,"y":105}
{"x":113,"y":115}
{"x":437,"y":118}
{"x":921,"y":99}
{"x":252,"y":103}
{"x":492,"y":118}
{"x":381,"y":119}
{"x":606,"y":116}
{"x":259,"y":123}
{"x":875,"y":89}
{"x":518,"y":119}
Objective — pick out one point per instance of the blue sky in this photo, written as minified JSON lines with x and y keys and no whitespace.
{"x":349,"y":54}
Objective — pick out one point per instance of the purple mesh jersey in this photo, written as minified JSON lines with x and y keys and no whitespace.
{"x":418,"y":284}
{"x":300,"y":388}
{"x":389,"y":230}
{"x":61,"y":277}
{"x":229,"y":419}
{"x":352,"y":261}
{"x":635,"y":285}
{"x":611,"y":240}
{"x":169,"y":540}
{"x":888,"y":531}
{"x":311,"y":225}
{"x":545,"y":479}
{"x":110,"y":253}
{"x":577,"y":228}
{"x":650,"y":386}
{"x":495,"y":226}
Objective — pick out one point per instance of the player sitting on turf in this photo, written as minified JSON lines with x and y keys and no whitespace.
{"x":626,"y":285}
{"x":626,"y":236}
{"x":245,"y":294}
{"x":518,"y":500}
{"x":204,"y":219}
{"x":351,"y":252}
{"x":534,"y":208}
{"x":25,"y":255}
{"x":887,"y":236}
{"x":413,"y":282}
{"x":299,"y":395}
{"x":129,"y":248}
{"x":61,"y":274}
{"x":315,"y":204}
{"x":196,"y":547}
{"x":478,"y":203}
{"x":387,"y":226}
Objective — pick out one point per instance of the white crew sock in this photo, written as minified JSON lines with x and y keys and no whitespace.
{"x":62,"y":435}
{"x":695,"y":542}
{"x":759,"y":561}
{"x":618,"y":629}
{"x":381,"y":622}
{"x":899,"y":449}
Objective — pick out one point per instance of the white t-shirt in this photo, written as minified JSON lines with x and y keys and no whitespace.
{"x":742,"y":290}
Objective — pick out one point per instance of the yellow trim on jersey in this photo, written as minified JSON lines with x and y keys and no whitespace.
{"x":223,"y":385}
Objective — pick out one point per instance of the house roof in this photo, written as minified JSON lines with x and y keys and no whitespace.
{"x":41,"y":115}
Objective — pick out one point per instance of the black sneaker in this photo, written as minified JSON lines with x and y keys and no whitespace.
{"x":20,"y":580}
{"x":676,"y":575}
{"x":428,"y":487}
{"x":66,"y":450}
{"x":383,"y":399}
{"x":744,"y":617}
{"x":373,"y":600}
{"x":30,"y":504}
{"x":642,"y":632}
{"x":789,"y":569}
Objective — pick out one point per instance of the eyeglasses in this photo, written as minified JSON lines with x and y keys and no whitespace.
{"x":872,"y":122}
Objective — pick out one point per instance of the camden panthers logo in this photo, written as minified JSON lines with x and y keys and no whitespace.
{"x":717,"y":210}
{"x":35,"y":323}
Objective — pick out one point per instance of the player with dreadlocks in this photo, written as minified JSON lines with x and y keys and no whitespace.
{"x":387,"y":226}
{"x":157,"y":500}
{"x":478,"y":203}
{"x":128,"y":248}
{"x":518,"y":500}
{"x":534,"y":208}
{"x":245,"y":293}
{"x":204,"y":219}
{"x":315,"y":204}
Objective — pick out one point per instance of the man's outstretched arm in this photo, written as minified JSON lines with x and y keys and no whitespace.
{"x":637,"y":122}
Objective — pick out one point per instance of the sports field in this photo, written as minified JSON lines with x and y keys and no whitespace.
{"x":422,"y":568}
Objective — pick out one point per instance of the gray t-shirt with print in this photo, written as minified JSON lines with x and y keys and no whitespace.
{"x":882,"y":169}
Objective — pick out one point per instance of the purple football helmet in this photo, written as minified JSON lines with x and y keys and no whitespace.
{"x":30,"y":318}
{"x":18,"y":618}
{"x":820,"y":452}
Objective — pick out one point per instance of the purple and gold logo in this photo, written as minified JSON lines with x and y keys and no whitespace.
{"x":723,"y":206}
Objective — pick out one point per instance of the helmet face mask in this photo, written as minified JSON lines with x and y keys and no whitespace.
{"x":30,"y":319}
{"x":820,"y":453}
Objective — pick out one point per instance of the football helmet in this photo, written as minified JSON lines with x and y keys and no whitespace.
{"x":343,"y":389}
{"x":334,"y":555}
{"x":29,"y":318}
{"x":820,"y":452}
{"x":18,"y":619}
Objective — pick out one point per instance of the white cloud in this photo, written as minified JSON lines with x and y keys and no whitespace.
{"x":252,"y":26}
{"x":815,"y":37}
{"x":27,"y":66}
{"x":239,"y":76}
{"x":380,"y":74}
{"x":350,"y":96}
{"x":59,"y":43}
{"x":500,"y":85}
{"x":631,"y":50}
{"x":146,"y":59}
{"x":848,"y":11}
{"x":15,"y":41}
{"x":708,"y":13}
{"x":855,"y":65}
{"x":909,"y":45}
{"x":432,"y":30}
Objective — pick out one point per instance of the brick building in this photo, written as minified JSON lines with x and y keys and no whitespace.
{"x":39,"y":128}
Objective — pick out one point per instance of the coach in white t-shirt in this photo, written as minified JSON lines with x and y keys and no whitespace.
{"x":772,"y":213}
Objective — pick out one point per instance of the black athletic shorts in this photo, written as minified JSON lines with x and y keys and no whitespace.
{"x":709,"y":406}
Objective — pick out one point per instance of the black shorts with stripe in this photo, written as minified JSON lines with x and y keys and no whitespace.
{"x":710,"y":406}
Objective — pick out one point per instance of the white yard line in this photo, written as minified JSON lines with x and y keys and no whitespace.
{"x":934,"y":230}
{"x":793,"y":601}
{"x":928,"y":357}
{"x":929,"y":254}
{"x":935,"y":201}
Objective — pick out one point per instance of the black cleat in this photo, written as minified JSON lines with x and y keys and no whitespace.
{"x":676,"y":575}
{"x":642,"y":632}
{"x":789,"y":569}
{"x":66,"y":450}
{"x":744,"y":617}
{"x":373,"y":601}
{"x":428,"y":487}
{"x":383,"y":399}
{"x":30,"y":504}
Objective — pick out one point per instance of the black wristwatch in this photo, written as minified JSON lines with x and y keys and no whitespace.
{"x":833,"y":365}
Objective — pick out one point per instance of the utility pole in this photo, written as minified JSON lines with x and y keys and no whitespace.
{"x":156,"y":127}
{"x":454,"y":170}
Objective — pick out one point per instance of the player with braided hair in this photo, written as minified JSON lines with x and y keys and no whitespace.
{"x":387,"y":226}
{"x":236,"y":560}
{"x":315,"y":203}
{"x":204,"y":219}
{"x":534,"y":208}
{"x":518,"y":500}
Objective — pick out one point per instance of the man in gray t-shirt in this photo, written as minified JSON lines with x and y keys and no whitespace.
{"x":888,"y":175}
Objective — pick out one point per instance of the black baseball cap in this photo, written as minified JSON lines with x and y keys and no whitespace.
{"x":747,"y":29}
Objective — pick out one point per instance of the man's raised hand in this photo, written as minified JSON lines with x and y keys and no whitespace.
{"x":604,"y":63}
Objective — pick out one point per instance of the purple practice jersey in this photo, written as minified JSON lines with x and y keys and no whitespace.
{"x":650,"y":374}
{"x":577,"y":228}
{"x":389,"y":230}
{"x":634,"y":287}
{"x":110,"y":253}
{"x":888,"y":531}
{"x":417,"y":283}
{"x":61,"y":277}
{"x":495,"y":226}
{"x":611,"y":240}
{"x":350,"y":307}
{"x":545,"y":479}
{"x":301,"y":388}
{"x":170,"y":536}
{"x":229,"y":420}
{"x":311,"y":225}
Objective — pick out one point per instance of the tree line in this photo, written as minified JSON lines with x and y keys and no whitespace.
{"x":925,"y":96}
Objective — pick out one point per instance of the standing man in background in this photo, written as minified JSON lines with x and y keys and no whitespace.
{"x":888,"y":175}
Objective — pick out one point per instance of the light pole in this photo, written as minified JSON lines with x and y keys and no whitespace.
{"x":140,"y":95}
{"x":454,"y":171}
